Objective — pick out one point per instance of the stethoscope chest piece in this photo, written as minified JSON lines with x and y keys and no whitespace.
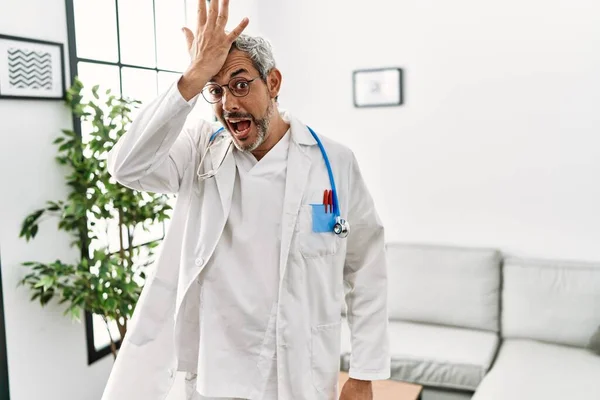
{"x":341,"y":227}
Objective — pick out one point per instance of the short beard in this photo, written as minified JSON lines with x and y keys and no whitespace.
{"x":262,"y":129}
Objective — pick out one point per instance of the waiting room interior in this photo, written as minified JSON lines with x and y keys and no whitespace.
{"x":483,"y":167}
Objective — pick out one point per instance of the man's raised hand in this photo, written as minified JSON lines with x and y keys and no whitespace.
{"x":209,"y":47}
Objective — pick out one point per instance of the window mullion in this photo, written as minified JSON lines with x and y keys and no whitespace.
{"x":155,"y":44}
{"x":119,"y":47}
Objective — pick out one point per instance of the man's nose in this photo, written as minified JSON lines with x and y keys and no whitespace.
{"x":229,"y":101}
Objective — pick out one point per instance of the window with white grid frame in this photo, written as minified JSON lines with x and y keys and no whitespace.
{"x":135,"y":48}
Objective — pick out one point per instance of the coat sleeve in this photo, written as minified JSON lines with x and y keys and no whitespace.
{"x":365,"y":277}
{"x":156,"y":150}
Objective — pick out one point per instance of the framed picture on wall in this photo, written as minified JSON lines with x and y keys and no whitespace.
{"x":378,"y":87}
{"x":31,"y":69}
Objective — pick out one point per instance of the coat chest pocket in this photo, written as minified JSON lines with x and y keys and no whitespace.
{"x":315,"y":232}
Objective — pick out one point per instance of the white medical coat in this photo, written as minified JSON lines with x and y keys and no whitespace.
{"x":317,"y":270}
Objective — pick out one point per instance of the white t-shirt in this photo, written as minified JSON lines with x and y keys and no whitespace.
{"x":239,"y":291}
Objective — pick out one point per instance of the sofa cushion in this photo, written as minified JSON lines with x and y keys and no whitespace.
{"x":551,"y":301}
{"x":437,"y":356}
{"x":444,"y":285}
{"x":527,"y":369}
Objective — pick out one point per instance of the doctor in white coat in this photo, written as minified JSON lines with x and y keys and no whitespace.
{"x":247,"y":292}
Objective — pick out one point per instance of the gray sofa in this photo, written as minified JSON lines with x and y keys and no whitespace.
{"x":468,"y":323}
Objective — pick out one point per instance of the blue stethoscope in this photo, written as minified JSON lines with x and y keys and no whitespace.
{"x":341,"y":226}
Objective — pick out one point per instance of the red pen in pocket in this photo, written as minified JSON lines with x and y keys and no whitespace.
{"x":328,"y":201}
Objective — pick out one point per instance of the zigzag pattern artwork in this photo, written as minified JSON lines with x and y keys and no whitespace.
{"x":29,"y":69}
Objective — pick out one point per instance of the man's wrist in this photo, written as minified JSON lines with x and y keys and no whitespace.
{"x":359,"y":382}
{"x":190,"y":85}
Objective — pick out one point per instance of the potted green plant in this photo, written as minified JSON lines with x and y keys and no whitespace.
{"x":103,"y":280}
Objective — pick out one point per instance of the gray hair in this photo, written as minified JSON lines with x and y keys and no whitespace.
{"x":260,"y":52}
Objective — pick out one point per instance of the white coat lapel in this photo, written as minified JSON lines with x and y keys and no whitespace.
{"x":298,"y":169}
{"x":213,"y":220}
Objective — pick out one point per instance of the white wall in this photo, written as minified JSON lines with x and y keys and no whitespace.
{"x":498,"y":143}
{"x":47,"y":355}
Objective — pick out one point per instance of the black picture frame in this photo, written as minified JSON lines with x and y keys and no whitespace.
{"x":378,"y":87}
{"x":32,"y":70}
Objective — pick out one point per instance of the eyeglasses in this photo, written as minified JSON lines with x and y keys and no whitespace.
{"x":239,"y":87}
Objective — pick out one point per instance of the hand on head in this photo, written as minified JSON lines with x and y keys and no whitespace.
{"x":209,"y":46}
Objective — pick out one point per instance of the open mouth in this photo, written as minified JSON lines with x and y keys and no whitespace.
{"x":240,"y":127}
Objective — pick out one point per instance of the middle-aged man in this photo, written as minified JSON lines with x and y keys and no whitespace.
{"x":247,"y":293}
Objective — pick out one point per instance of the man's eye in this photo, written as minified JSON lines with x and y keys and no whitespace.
{"x":215,"y":91}
{"x":241,"y":85}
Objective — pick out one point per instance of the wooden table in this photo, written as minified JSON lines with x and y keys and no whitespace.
{"x":390,"y":390}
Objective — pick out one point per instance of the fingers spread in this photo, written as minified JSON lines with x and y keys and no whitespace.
{"x":238,"y":29}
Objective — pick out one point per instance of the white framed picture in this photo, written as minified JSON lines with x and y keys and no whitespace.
{"x":378,"y":87}
{"x":31,"y":69}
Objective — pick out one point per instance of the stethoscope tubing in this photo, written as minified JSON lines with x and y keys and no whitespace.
{"x":336,"y":208}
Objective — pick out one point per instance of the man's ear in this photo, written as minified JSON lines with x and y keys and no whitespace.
{"x":274,"y":82}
